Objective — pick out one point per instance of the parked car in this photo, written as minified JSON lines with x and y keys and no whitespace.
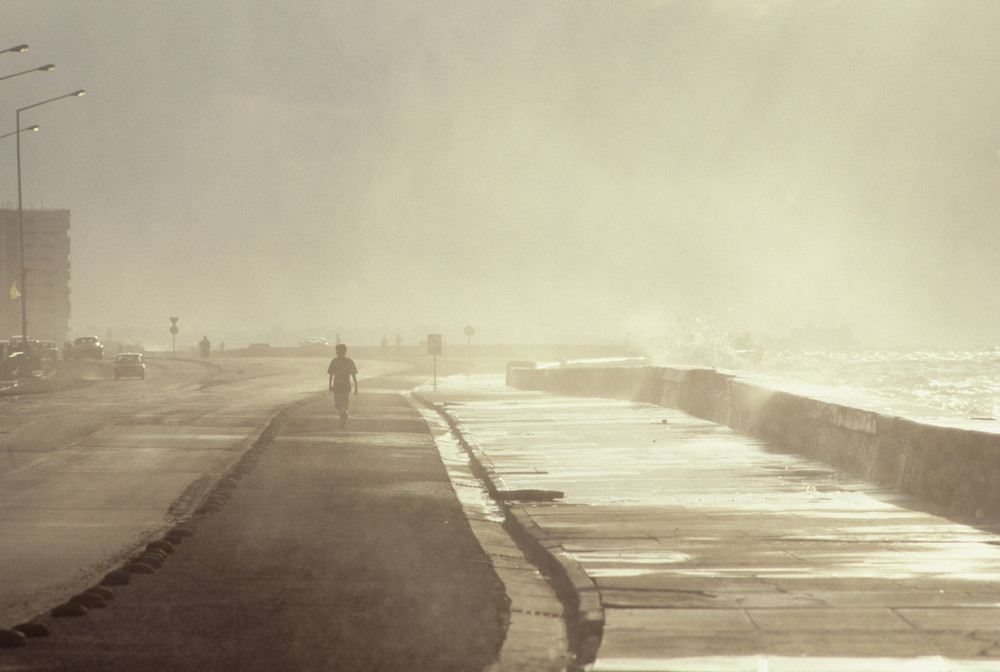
{"x":47,"y":350}
{"x":16,"y":365}
{"x":16,"y":345}
{"x":129,"y":364}
{"x":88,"y":346}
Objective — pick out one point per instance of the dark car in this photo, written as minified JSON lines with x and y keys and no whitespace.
{"x":88,"y":346}
{"x":130,"y":364}
{"x":16,"y":365}
{"x":16,"y":345}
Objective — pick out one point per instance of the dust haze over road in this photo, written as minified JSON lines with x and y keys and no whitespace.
{"x":557,"y":171}
{"x":322,"y":548}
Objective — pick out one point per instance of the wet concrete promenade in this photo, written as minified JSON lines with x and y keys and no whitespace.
{"x":693,"y":548}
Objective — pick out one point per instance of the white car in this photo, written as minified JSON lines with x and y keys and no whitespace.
{"x":314,"y":345}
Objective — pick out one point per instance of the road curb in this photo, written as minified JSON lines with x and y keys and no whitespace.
{"x":583,"y":611}
{"x":210,"y":493}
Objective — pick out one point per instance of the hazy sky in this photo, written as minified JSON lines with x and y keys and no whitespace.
{"x":542,"y":170}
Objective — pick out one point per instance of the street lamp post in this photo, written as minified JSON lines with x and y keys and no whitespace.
{"x":22,"y":130}
{"x":42,"y":68}
{"x":19,"y":49}
{"x":20,"y":216}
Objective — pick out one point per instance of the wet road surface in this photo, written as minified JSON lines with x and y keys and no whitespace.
{"x":700,"y":549}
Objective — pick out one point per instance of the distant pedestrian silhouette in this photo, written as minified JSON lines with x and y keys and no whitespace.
{"x":342,"y":371}
{"x":205,"y":346}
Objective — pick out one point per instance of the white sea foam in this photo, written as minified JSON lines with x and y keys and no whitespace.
{"x":959,"y":383}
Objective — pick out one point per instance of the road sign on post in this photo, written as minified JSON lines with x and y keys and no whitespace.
{"x":433,"y":344}
{"x":434,"y":348}
{"x":173,"y":332}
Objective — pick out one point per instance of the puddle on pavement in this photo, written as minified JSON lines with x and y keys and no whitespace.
{"x":470,"y":491}
{"x":607,"y":564}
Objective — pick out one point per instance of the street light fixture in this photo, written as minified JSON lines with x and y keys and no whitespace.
{"x":20,"y":215}
{"x":19,"y":49}
{"x":44,"y":68}
{"x":23,"y":130}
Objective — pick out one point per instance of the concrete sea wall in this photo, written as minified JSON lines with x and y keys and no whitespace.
{"x":956,"y":467}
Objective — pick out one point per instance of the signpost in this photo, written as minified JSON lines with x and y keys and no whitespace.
{"x":434,"y":348}
{"x":173,"y":331}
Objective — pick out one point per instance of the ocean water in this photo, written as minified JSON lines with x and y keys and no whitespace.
{"x":957,"y":383}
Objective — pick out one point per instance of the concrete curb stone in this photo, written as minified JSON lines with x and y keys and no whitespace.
{"x":582,"y":609}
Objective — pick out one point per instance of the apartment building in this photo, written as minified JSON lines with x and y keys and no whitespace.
{"x":46,"y":258}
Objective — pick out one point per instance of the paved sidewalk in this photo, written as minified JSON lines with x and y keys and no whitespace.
{"x":693,"y":548}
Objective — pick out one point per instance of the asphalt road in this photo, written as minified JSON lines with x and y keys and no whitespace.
{"x":334,"y":550}
{"x":91,"y":469}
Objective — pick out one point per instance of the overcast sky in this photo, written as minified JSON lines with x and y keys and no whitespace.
{"x":544,"y":171}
